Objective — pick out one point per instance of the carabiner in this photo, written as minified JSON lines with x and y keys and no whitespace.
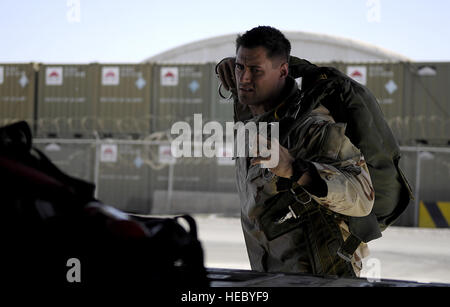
{"x":220,"y":93}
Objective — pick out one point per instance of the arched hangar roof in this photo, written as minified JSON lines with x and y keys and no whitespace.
{"x":311,"y":46}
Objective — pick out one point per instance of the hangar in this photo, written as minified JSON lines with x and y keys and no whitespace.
{"x":311,"y":46}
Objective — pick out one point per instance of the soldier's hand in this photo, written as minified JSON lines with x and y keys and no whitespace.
{"x":225,"y":71}
{"x":285,"y":159}
{"x":284,"y":168}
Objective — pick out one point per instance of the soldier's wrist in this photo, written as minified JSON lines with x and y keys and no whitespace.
{"x":299,"y":167}
{"x":297,"y":170}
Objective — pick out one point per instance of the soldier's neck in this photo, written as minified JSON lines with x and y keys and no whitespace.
{"x":271,"y":103}
{"x":257,"y":110}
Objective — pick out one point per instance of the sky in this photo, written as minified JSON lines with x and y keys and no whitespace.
{"x":117,"y":31}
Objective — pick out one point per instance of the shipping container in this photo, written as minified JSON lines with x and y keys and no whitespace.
{"x":65,"y":101}
{"x":427,"y":103}
{"x":124,"y":180}
{"x":122,"y":100}
{"x":17,"y":93}
{"x":386,"y":82}
{"x":179,"y":92}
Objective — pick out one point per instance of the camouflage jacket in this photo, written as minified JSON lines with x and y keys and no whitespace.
{"x":339,"y":164}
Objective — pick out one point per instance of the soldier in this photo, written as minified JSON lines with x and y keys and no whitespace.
{"x":319,"y":168}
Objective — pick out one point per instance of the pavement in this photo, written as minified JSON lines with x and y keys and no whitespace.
{"x":410,"y":254}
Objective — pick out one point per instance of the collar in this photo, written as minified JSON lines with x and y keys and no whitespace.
{"x":288,"y":96}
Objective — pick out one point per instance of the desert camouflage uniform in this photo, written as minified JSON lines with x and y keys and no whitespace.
{"x":350,"y":193}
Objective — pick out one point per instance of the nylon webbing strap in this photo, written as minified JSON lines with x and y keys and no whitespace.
{"x":349,"y":247}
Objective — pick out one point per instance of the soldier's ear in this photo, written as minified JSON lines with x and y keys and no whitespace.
{"x":284,"y":70}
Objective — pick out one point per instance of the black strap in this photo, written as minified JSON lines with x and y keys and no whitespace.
{"x":283,"y":184}
{"x":349,"y":247}
{"x":300,"y":201}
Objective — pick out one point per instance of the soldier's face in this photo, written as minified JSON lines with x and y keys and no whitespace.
{"x":259,"y":79}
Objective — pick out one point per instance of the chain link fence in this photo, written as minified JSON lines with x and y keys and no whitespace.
{"x":141,"y":176}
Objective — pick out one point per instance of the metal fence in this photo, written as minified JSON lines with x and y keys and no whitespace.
{"x":141,"y":176}
{"x":428,"y":171}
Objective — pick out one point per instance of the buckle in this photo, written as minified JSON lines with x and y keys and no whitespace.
{"x":292,"y":212}
{"x":298,"y":199}
{"x":345,"y":256}
{"x":221,"y":95}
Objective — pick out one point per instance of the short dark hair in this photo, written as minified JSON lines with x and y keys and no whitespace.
{"x":276,"y":44}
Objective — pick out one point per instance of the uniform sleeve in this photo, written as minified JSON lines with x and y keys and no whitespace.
{"x":343,"y":169}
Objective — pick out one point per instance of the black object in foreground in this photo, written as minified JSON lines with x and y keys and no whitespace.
{"x":54,"y":233}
